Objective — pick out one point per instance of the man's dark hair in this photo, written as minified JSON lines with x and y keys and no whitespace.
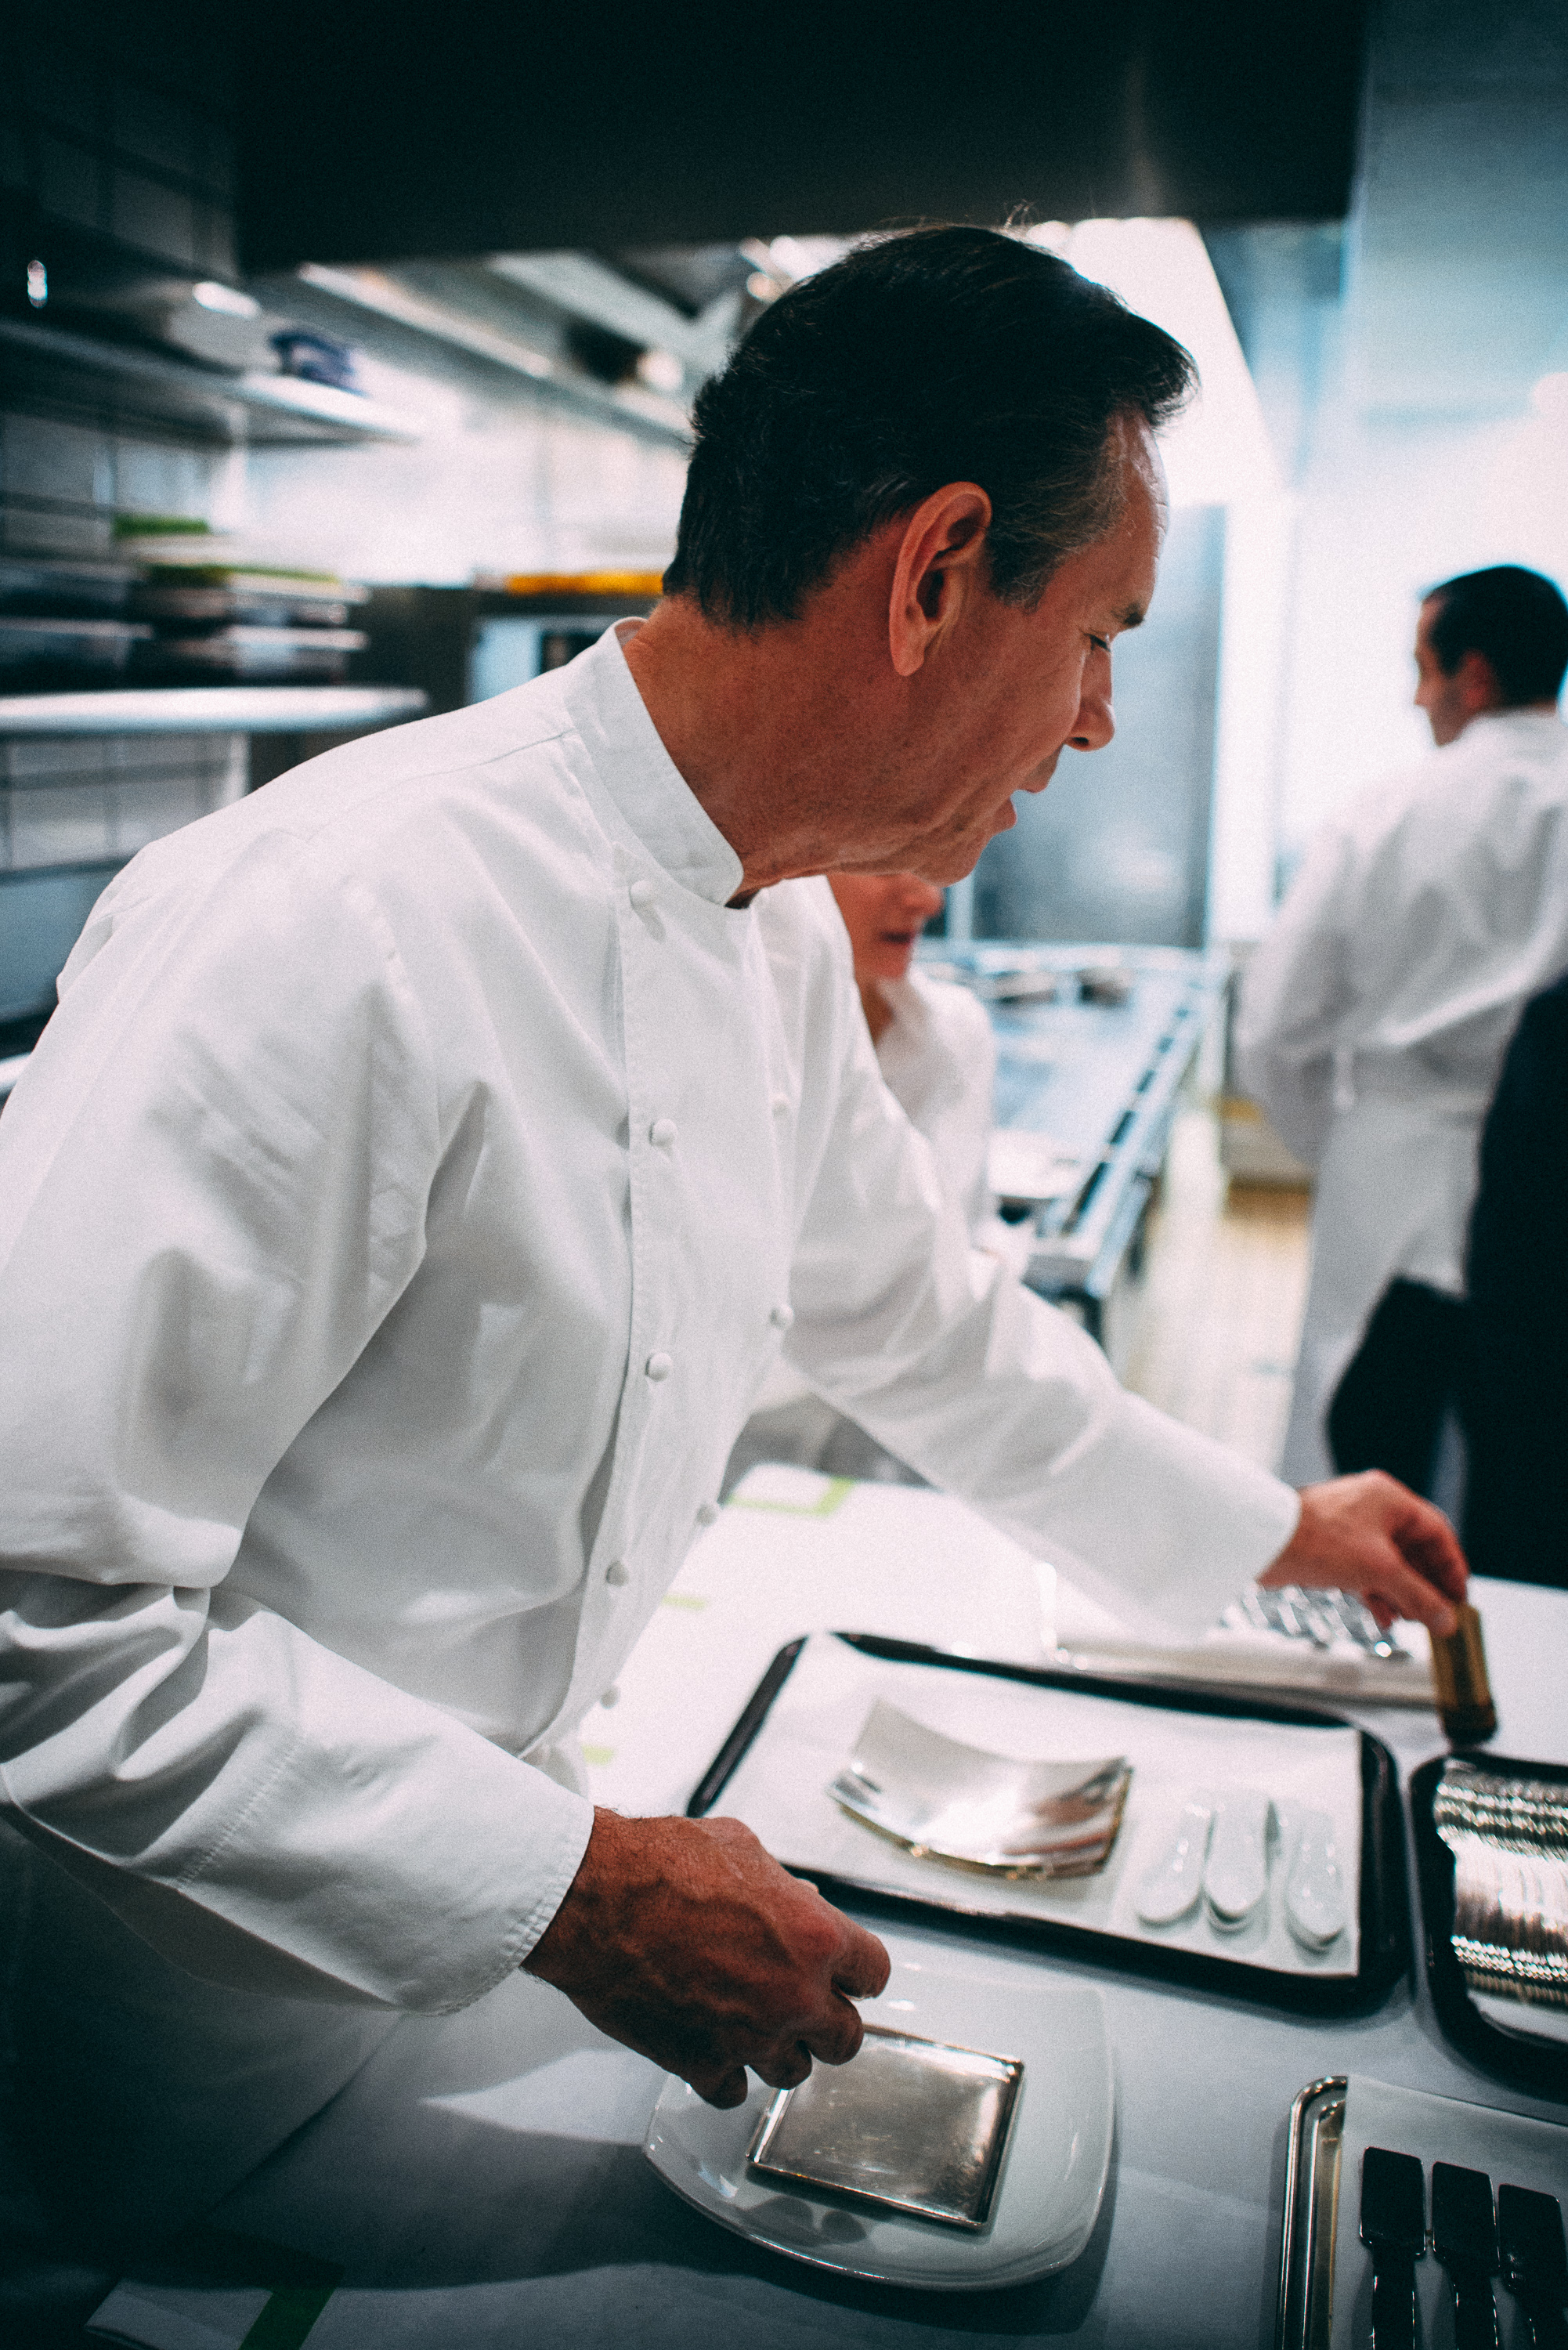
{"x":939,"y":355}
{"x":1515,"y":618}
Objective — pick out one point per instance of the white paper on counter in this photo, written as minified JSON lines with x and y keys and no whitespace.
{"x":1085,"y":1636}
{"x":794,"y":1552}
{"x":1509,"y":2149}
{"x":780,"y":1791}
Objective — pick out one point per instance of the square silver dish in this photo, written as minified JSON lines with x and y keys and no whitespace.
{"x":911,"y":2125}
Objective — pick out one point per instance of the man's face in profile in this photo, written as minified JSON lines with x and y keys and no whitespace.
{"x":1447,"y":707}
{"x":1015,"y":687}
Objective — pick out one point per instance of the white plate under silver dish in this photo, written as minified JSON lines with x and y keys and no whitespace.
{"x":1054,"y":2170}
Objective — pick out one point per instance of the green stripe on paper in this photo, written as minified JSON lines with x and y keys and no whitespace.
{"x":837,"y":1492}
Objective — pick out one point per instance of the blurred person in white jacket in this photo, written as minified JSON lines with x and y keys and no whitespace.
{"x":1375,"y":1017}
{"x":933,"y":1040}
{"x":426,"y":1160}
{"x":937,"y":1058}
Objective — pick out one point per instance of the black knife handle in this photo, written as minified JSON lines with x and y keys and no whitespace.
{"x":1393,"y":2299}
{"x":1475,"y":2311}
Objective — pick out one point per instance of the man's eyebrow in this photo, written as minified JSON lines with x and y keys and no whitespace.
{"x":1131,"y":616}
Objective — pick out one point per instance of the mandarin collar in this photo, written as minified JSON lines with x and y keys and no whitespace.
{"x":610,"y":716}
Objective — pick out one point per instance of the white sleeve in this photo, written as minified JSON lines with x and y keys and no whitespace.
{"x":1296,"y":997}
{"x":1000,"y":1398}
{"x":214,"y":1178}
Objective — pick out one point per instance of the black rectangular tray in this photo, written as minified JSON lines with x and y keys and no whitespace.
{"x":1529,"y":2059}
{"x":1385,"y":1949}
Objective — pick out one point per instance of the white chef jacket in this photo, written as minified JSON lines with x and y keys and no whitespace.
{"x":1375,"y":1018}
{"x":397,"y":1219}
{"x":938,"y":1057}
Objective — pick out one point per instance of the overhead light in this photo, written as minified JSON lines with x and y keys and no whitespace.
{"x":38,"y":284}
{"x":787,"y":260}
{"x":1219,"y":451}
{"x":209,"y":295}
{"x":660,"y":372}
{"x":794,"y":257}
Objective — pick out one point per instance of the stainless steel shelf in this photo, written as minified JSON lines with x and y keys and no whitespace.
{"x":1103,"y":1081}
{"x":417,"y":318}
{"x":59,"y":368}
{"x":213,"y":710}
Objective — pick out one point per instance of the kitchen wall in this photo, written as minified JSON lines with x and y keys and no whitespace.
{"x":1116,"y":848}
{"x":116,"y":162}
{"x":115,"y":153}
{"x":1421,"y":413}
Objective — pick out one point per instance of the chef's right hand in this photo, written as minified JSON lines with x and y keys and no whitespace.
{"x":687,"y":1941}
{"x":1370,"y":1534}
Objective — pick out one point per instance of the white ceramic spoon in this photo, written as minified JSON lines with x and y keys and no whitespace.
{"x":1315,"y":1908}
{"x":1170,"y":1889}
{"x":1236,"y":1873}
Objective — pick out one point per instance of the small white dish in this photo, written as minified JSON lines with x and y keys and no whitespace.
{"x":1236,"y":1873}
{"x":1170,"y":1889}
{"x":1315,"y":1908}
{"x":1054,"y":2170}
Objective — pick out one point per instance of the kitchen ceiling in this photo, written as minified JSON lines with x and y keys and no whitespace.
{"x":379,"y":130}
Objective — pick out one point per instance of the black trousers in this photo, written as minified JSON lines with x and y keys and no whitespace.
{"x":1408,"y":1371}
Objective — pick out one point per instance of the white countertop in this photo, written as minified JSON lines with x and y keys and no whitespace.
{"x":482,"y":2182}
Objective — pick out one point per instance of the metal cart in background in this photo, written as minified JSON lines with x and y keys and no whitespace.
{"x":1094,"y":1042}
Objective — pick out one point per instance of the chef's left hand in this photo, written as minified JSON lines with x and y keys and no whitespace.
{"x":1372,"y":1535}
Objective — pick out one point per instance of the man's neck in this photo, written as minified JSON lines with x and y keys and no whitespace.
{"x":762,"y":725}
{"x":878,"y":1010}
{"x":1507,"y":710}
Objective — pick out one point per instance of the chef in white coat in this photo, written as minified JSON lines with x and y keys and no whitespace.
{"x":426,"y":1161}
{"x":937,"y":1058}
{"x":934,"y":1044}
{"x":1376,"y":1016}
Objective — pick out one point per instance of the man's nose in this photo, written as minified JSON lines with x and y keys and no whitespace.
{"x":1096,"y":720}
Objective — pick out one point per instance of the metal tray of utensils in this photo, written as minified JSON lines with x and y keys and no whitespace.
{"x":1492,"y":1851}
{"x":999,"y":1832}
{"x":1312,"y":2193}
{"x":1415,"y":2218}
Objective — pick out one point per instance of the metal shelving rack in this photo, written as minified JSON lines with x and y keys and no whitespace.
{"x":64,"y":372}
{"x":212,"y":709}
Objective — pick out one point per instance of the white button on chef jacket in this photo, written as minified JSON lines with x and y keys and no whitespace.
{"x":333,"y":1249}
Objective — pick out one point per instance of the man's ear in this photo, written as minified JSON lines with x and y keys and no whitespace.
{"x":939,"y":564}
{"x":1478,"y":683}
